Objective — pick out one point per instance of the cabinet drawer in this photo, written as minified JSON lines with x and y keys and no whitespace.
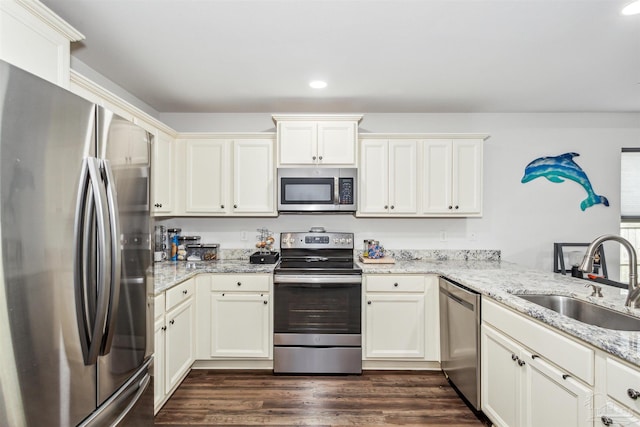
{"x":622,"y":380}
{"x":158,"y":306}
{"x":179,"y":293}
{"x":569,"y":355}
{"x":240,"y":282}
{"x":393,"y":283}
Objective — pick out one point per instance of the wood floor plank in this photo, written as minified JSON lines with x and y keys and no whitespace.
{"x":376,"y":398}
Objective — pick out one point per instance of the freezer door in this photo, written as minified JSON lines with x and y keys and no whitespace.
{"x":45,"y":132}
{"x":124,"y":148}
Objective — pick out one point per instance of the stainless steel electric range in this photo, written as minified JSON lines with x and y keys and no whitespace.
{"x":317,"y":305}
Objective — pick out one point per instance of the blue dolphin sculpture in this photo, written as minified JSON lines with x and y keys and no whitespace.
{"x":555,"y":168}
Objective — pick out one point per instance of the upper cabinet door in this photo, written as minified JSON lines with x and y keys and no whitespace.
{"x":253,"y":177}
{"x":298,"y":143}
{"x":163,"y":174}
{"x":467,"y":176}
{"x":437,"y":175}
{"x":336,"y":143}
{"x":403,"y":179}
{"x":206,"y":176}
{"x":374,"y":177}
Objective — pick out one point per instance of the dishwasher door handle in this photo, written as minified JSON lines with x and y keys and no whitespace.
{"x":459,"y":300}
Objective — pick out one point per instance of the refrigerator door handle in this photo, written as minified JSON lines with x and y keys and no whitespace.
{"x":115,"y":258}
{"x":91,"y":316}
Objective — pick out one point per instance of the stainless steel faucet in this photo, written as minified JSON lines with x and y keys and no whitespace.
{"x":587,"y":265}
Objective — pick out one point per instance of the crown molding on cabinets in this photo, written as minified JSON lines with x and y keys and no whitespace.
{"x":48,"y":17}
{"x":109,"y":98}
{"x":316,"y":117}
{"x":226,"y":135}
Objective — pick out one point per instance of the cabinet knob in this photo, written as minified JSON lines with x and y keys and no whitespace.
{"x":320,"y":158}
{"x":314,"y":157}
{"x":239,"y":283}
{"x":450,"y":207}
{"x":369,"y":302}
{"x":395,"y":284}
{"x":235,"y":206}
{"x":521,"y":362}
{"x":185,"y":292}
{"x":172,"y":321}
{"x":514,"y":357}
{"x":606,"y":420}
{"x":634,"y":394}
{"x":393,"y":207}
{"x":265,"y":303}
{"x":164,"y":328}
{"x":386,"y":206}
{"x":457,"y":206}
{"x":221,"y":206}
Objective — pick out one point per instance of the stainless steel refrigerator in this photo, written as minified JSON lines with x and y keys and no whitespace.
{"x":76,"y":340}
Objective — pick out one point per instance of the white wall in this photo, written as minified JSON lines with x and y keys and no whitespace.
{"x":522,"y":220}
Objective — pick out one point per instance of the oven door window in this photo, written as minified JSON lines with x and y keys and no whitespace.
{"x":317,"y":308}
{"x":296,"y":191}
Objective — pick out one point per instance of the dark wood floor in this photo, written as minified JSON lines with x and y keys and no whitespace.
{"x":377,"y":398}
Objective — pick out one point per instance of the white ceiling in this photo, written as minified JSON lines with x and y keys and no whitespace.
{"x":377,"y":55}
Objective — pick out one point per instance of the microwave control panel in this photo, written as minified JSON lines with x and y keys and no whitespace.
{"x":346,"y":191}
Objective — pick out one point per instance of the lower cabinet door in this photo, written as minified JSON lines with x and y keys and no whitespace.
{"x":501,"y":379}
{"x":180,"y":343}
{"x":158,"y":363}
{"x":395,"y":326}
{"x":240,"y":325}
{"x":554,"y":398}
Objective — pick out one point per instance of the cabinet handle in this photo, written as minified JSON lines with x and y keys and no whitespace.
{"x":533,"y":356}
{"x":239,"y":283}
{"x":369,"y":302}
{"x":634,"y":394}
{"x":514,"y":357}
{"x":172,"y":321}
{"x":265,"y":303}
{"x":606,"y":420}
{"x":164,"y":328}
{"x":395,"y":285}
{"x":185,"y":292}
{"x":521,"y":362}
{"x":565,"y":376}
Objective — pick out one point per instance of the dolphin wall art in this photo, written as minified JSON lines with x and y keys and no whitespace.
{"x":558,"y":168}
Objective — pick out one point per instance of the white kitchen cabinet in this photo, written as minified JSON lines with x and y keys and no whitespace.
{"x":317,"y":140}
{"x":229,"y":176}
{"x":174,"y":334}
{"x":234,"y":316}
{"x":388,"y":177}
{"x":35,"y":39}
{"x":162,"y":174}
{"x":520,"y":388}
{"x":452,"y":177}
{"x":394,"y":318}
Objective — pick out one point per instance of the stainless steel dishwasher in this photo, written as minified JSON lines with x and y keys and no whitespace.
{"x":460,"y":339}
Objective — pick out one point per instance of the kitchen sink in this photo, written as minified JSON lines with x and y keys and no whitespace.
{"x":586,"y":312}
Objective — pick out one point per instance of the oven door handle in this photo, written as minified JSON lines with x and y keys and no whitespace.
{"x":300,"y":280}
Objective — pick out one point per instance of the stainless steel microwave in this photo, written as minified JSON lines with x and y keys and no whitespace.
{"x":317,"y":190}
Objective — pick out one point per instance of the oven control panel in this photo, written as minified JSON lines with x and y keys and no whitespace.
{"x":307,"y":240}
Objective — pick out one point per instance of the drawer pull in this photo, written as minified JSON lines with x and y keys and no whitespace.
{"x":172,"y":321}
{"x":533,"y":356}
{"x":239,"y":283}
{"x":606,"y":420}
{"x":514,"y":357}
{"x":395,"y":284}
{"x":521,"y":362}
{"x":634,"y":394}
{"x":565,"y":376}
{"x":164,"y":328}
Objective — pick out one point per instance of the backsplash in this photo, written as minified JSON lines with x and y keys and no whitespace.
{"x":399,"y":254}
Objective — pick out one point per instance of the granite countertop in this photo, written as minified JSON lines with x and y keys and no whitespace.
{"x":498,"y":280}
{"x":502,"y":281}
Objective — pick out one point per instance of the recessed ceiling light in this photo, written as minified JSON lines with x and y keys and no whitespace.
{"x":318,"y":84}
{"x":632,"y":8}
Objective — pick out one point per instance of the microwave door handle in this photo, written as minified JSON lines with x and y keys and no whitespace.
{"x":336,"y":190}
